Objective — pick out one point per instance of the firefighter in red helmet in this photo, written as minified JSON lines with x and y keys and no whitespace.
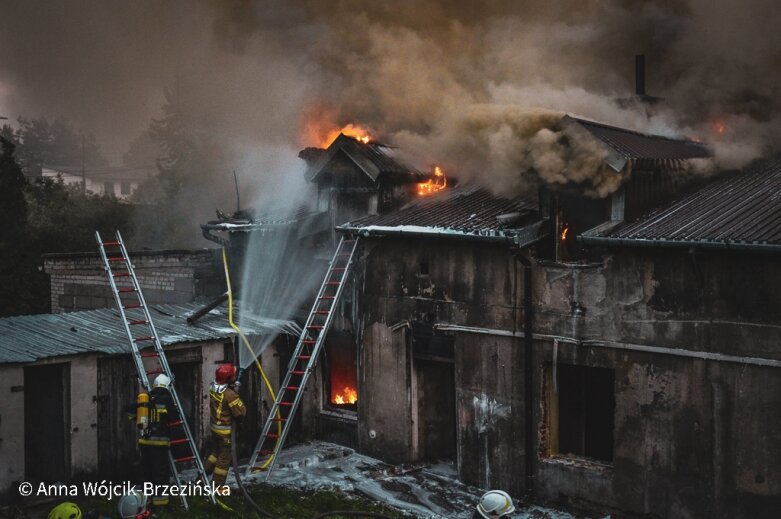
{"x":226,"y":407}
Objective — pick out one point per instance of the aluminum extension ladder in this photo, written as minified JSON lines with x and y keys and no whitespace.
{"x":303,"y":361}
{"x":135,"y":315}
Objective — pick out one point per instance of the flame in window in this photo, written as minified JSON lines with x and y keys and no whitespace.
{"x":564,"y":232}
{"x":434,"y":184}
{"x":349,"y":395}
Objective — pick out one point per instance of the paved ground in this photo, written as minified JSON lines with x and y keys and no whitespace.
{"x":426,"y":491}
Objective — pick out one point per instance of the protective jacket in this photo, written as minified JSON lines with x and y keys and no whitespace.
{"x":226,"y":406}
{"x":162,"y":413}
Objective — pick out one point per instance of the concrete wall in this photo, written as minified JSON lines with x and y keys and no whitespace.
{"x":693,"y":435}
{"x":11,"y":427}
{"x":78,"y":281}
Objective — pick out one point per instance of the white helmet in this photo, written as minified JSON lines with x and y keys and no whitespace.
{"x":131,"y":505}
{"x":162,"y":380}
{"x":495,"y":503}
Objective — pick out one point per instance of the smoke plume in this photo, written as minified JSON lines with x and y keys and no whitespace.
{"x":463,"y":83}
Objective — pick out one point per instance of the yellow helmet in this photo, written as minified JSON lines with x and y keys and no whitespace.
{"x":65,"y":511}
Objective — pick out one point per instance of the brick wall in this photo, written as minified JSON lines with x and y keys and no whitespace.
{"x":78,"y":281}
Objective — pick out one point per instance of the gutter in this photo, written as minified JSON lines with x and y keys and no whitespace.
{"x":528,"y":369}
{"x":672,"y":244}
{"x":516,"y":237}
{"x":662,"y":350}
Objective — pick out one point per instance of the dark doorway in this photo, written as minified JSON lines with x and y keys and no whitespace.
{"x":187,"y":381}
{"x":586,"y":406}
{"x":117,"y":389}
{"x":436,"y":403}
{"x":46,"y":423}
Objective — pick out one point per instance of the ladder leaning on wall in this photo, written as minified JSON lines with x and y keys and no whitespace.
{"x":149,"y":361}
{"x":303,"y":360}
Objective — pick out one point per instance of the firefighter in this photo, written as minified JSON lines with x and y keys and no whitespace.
{"x":156,"y":412}
{"x":494,"y":503}
{"x":226,"y":407}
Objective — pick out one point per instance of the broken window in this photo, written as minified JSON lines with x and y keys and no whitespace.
{"x":340,"y":364}
{"x":581,"y":408}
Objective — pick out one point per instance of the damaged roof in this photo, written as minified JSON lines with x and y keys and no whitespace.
{"x":634,"y":145}
{"x":372,"y":158}
{"x":740,"y":211}
{"x":28,"y":338}
{"x":468,"y":211}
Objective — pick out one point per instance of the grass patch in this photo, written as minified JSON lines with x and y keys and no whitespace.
{"x":281,"y":503}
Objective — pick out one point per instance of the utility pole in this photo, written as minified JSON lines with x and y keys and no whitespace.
{"x":83,"y":169}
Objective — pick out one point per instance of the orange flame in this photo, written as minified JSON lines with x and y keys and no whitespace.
{"x":434,"y":184}
{"x":321,"y":134}
{"x":564,"y":232}
{"x":720,"y":127}
{"x":349,"y":395}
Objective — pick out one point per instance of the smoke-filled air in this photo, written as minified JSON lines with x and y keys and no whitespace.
{"x":200,"y":89}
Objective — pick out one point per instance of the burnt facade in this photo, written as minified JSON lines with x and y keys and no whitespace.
{"x":598,"y":368}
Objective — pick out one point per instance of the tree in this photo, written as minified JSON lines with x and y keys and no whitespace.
{"x":59,"y":143}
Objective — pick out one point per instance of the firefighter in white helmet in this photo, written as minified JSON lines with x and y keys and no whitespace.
{"x":156,"y":417}
{"x":494,"y":503}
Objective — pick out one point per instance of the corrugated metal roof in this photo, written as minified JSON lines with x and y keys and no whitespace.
{"x":739,"y":208}
{"x":27,"y":338}
{"x":373,"y":158}
{"x":463,"y":208}
{"x":640,"y":146}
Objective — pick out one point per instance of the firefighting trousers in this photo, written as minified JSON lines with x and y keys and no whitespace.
{"x":156,"y":469}
{"x":219,"y":458}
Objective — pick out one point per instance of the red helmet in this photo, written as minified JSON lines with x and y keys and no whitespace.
{"x":225,"y":374}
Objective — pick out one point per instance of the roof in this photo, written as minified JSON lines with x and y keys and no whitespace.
{"x":373,"y":158}
{"x":467,"y":211}
{"x":634,"y":145}
{"x":739,"y":210}
{"x":28,"y":338}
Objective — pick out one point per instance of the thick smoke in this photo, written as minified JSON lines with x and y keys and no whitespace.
{"x":458,"y":83}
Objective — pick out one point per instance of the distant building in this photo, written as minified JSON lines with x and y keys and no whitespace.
{"x":120,"y":182}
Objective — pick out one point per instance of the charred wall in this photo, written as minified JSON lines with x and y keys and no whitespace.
{"x":691,"y":431}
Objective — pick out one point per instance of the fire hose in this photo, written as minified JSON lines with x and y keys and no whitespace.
{"x":234,"y":457}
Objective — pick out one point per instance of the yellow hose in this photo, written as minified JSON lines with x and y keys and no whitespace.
{"x":257,"y":362}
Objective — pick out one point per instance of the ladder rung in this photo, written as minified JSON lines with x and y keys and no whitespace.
{"x":297,"y":372}
{"x":120,"y":274}
{"x":137,"y":321}
{"x":322,"y":312}
{"x":286,"y":404}
{"x":117,"y":259}
{"x":315,"y":327}
{"x":150,"y":355}
{"x":265,"y":452}
{"x":125,"y":290}
{"x":142,"y":338}
{"x":309,"y":341}
{"x":333,"y":283}
{"x":292,"y":388}
{"x":272,"y":435}
{"x":154,"y":372}
{"x":184,"y":458}
{"x":180,"y":440}
{"x":174,"y":424}
{"x":110,"y":243}
{"x":131,"y":306}
{"x":279,"y":419}
{"x":327,"y":297}
{"x":304,"y":357}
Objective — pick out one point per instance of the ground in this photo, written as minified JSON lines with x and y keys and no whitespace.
{"x":317,"y":477}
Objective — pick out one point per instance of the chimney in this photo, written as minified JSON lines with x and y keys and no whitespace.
{"x":640,"y":75}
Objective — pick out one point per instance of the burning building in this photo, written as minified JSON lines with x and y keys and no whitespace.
{"x":604,"y":353}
